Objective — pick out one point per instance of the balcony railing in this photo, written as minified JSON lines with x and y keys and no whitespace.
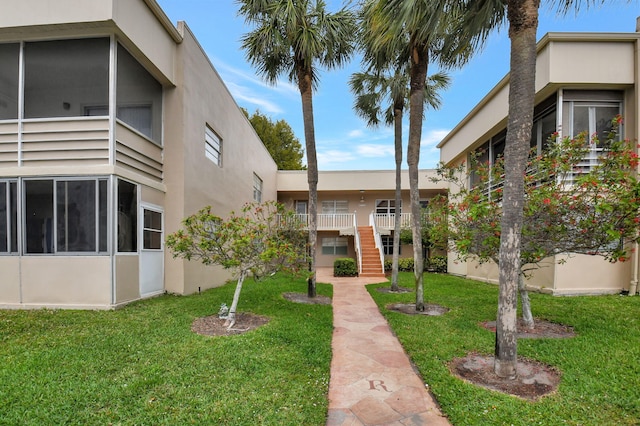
{"x":330,"y":222}
{"x":388,"y":221}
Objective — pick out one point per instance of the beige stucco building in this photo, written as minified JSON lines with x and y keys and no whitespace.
{"x":114,"y":126}
{"x":582,"y":81}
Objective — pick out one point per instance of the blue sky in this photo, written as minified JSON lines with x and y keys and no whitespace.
{"x":343,"y":141}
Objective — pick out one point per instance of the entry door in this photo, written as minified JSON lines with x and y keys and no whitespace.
{"x":151,"y":250}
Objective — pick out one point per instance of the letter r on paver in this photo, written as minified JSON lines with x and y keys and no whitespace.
{"x":374,"y":384}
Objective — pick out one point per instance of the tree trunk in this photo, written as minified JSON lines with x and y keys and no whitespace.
{"x":523,"y":22}
{"x":231,"y":318}
{"x":527,"y":317}
{"x":306,"y":92}
{"x":397,"y":119}
{"x":418,"y":79}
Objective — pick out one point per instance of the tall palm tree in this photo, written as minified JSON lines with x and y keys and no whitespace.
{"x":294,"y":37}
{"x":428,"y":30}
{"x":375,"y":89}
{"x":522,"y":17}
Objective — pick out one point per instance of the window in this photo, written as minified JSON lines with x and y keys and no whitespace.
{"x":212,"y":146}
{"x":257,"y":188}
{"x":387,"y":245}
{"x":127,"y":216}
{"x":61,"y":77}
{"x":387,"y":207}
{"x":301,"y":206}
{"x":9,"y":65}
{"x":591,"y":112}
{"x":152,"y":230}
{"x":138,"y":97}
{"x":334,"y":246}
{"x":65,"y":216}
{"x":335,"y":207}
{"x":8,"y":217}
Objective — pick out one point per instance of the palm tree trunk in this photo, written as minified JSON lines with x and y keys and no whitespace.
{"x":397,"y":118}
{"x":305,"y":86}
{"x":523,"y":23}
{"x":418,"y":79}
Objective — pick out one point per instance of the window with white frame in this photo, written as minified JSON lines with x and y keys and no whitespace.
{"x":212,"y":146}
{"x":257,"y":188}
{"x":127,"y":217}
{"x":65,"y":215}
{"x":152,"y":230}
{"x":590,"y":112}
{"x":335,"y":246}
{"x":335,"y":207}
{"x":8,"y":217}
{"x":387,"y":207}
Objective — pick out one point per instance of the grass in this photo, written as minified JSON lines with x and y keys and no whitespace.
{"x":142,"y":364}
{"x":600,"y":366}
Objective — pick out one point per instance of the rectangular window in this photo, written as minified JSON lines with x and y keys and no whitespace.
{"x":9,"y":72}
{"x":61,"y":77}
{"x":152,"y":230}
{"x":127,"y":217}
{"x":257,"y":188}
{"x":65,"y":216}
{"x":212,"y":146}
{"x":8,"y":217}
{"x":334,"y":246}
{"x":335,"y":207}
{"x":387,"y":207}
{"x":301,"y":206}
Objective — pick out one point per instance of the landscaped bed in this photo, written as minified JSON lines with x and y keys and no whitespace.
{"x":599,"y":366}
{"x":143,"y":364}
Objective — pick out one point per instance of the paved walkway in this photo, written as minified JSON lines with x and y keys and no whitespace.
{"x":372,"y":381}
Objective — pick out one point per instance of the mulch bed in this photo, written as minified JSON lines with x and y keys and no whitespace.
{"x":534,"y":379}
{"x":430,"y":309}
{"x":213,"y":325}
{"x":304,"y":298}
{"x":401,"y":290}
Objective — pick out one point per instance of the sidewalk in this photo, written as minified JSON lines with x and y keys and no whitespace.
{"x":372,"y":381}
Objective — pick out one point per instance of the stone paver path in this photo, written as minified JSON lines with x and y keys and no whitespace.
{"x":372,"y":380}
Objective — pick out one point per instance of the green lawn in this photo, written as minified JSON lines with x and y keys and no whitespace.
{"x":600,"y":367}
{"x":142,"y":365}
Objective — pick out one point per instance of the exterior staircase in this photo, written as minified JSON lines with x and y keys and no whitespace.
{"x":371,"y":266}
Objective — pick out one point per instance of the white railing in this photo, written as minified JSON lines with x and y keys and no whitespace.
{"x":388,"y":221}
{"x":378,"y":240}
{"x":356,"y":235}
{"x":330,"y":222}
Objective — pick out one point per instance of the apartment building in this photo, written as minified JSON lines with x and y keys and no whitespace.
{"x":582,"y":81}
{"x":114,"y":125}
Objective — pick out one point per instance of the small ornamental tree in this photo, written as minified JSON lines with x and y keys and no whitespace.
{"x":261,"y":240}
{"x":568,"y":207}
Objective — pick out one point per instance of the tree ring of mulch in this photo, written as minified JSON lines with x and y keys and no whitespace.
{"x":542,"y":329}
{"x":214,"y":326}
{"x":401,"y":290}
{"x":304,"y":298}
{"x":410,"y":309}
{"x":534,"y":379}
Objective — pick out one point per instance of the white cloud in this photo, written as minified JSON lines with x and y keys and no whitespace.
{"x":241,"y":93}
{"x":433,"y":138}
{"x":355,"y":133}
{"x":230,"y":73}
{"x":373,"y":150}
{"x":334,"y":156}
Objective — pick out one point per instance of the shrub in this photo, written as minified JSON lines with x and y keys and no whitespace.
{"x":388,"y":265}
{"x":437,"y":264}
{"x":405,"y":264}
{"x":345,"y":267}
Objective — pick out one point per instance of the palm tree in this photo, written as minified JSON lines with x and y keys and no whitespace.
{"x":421,"y":30}
{"x":372,"y":91}
{"x":294,"y":37}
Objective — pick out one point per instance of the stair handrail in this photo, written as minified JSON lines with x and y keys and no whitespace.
{"x":377,"y":239}
{"x":358,"y":247}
